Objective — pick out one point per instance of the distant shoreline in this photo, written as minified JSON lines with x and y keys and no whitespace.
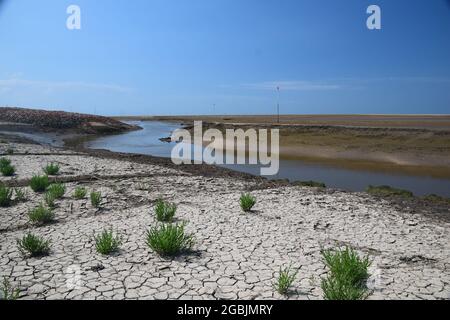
{"x":398,"y":147}
{"x":427,"y":122}
{"x":381,"y":145}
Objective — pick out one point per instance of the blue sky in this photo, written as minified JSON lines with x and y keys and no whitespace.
{"x":183,"y":57}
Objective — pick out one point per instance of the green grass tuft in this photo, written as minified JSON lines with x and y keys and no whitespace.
{"x":165,"y":211}
{"x":169,"y":239}
{"x":7,"y":292}
{"x":50,"y":199}
{"x":51,"y":169}
{"x":285,"y":280}
{"x":41,"y":215}
{"x":106,"y":243}
{"x":336,"y":289}
{"x":8,"y":171}
{"x":247,"y":201}
{"x":57,"y":190}
{"x":39,"y":183}
{"x":4,"y":162}
{"x":346,"y":262}
{"x":5,"y":196}
{"x":96,"y":199}
{"x":347,"y":275}
{"x":80,"y":193}
{"x":387,"y":191}
{"x":33,"y":246}
{"x":54,"y":192}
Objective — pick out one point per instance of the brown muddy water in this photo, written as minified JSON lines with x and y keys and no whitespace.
{"x":146,"y":141}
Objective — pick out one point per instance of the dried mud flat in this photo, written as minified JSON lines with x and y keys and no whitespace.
{"x":236,"y":255}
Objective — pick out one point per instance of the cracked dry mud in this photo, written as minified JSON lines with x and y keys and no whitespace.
{"x":236,"y":256}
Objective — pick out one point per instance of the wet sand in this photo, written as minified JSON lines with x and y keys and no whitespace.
{"x":417,"y":145}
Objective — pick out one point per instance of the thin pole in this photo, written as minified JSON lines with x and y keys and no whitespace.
{"x":278,"y":104}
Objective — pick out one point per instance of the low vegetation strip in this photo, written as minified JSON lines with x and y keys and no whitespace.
{"x":387,"y":191}
{"x":312,"y":184}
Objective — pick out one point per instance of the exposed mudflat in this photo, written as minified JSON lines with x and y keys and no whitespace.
{"x":435,"y":122}
{"x":417,"y":145}
{"x":236,"y":255}
{"x":422,"y":150}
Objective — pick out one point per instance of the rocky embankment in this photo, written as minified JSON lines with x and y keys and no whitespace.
{"x":63,"y":121}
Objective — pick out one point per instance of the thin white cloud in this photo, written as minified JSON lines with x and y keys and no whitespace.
{"x":14,"y":83}
{"x":421,"y":79}
{"x":335,"y":84}
{"x":292,"y":85}
{"x":412,"y":79}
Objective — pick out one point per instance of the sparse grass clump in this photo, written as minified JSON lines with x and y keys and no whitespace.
{"x":50,"y":199}
{"x":106,"y":243}
{"x":96,"y":199}
{"x":285,"y":280}
{"x":7,"y":292}
{"x":346,"y":262}
{"x":41,"y":215}
{"x":4,"y":162}
{"x":387,"y":191}
{"x":247,"y":201}
{"x":336,"y":289}
{"x":39,"y":183}
{"x":312,"y":184}
{"x":51,"y":169}
{"x":33,"y":246}
{"x":54,"y":192}
{"x":347,"y":275}
{"x":10,"y":151}
{"x":165,"y":211}
{"x":21,"y":196}
{"x":79,"y":193}
{"x":8,"y":171}
{"x":169,"y":239}
{"x":57,"y":190}
{"x":5,"y":196}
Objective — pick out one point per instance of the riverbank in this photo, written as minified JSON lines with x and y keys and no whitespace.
{"x":429,"y":122}
{"x":312,"y":155}
{"x":236,"y":255}
{"x":412,"y":145}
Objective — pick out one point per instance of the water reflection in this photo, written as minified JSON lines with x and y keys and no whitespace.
{"x":147,"y":141}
